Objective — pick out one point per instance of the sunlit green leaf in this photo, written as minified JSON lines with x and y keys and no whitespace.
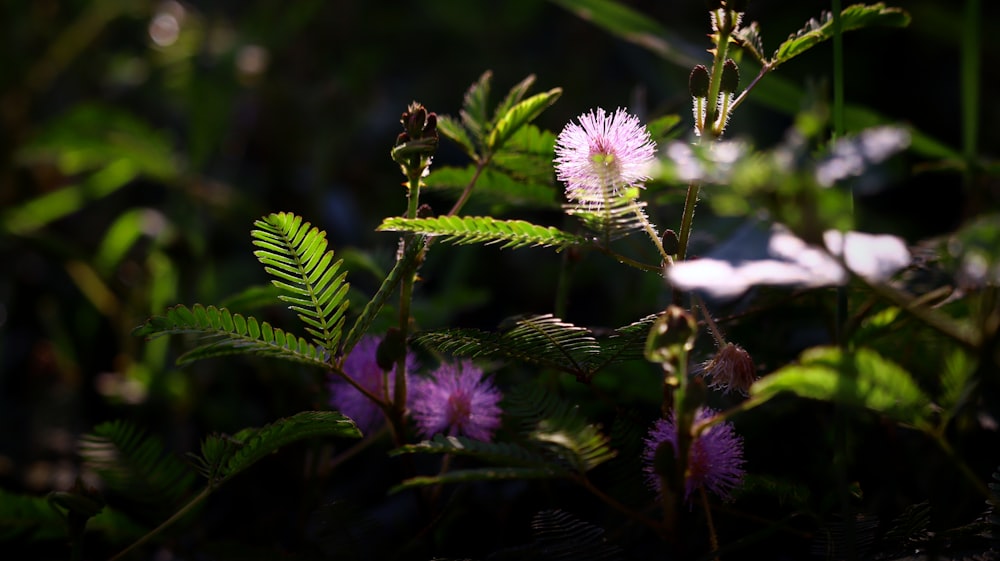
{"x":861,"y":378}
{"x":484,"y":229}
{"x":519,"y":115}
{"x":857,"y":16}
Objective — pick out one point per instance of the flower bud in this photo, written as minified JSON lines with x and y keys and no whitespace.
{"x":670,"y":242}
{"x":698,"y":82}
{"x":730,"y":77}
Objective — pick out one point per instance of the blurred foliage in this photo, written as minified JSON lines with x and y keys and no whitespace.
{"x":140,"y":139}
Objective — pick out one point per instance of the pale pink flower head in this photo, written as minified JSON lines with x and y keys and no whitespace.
{"x":715,"y":458}
{"x":456,"y":400}
{"x":361,"y":365}
{"x":603,"y":154}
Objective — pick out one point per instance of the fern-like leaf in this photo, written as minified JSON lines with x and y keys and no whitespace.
{"x":503,"y":453}
{"x":544,"y":340}
{"x":224,"y":457}
{"x":748,"y":37}
{"x":295,"y":253}
{"x":519,"y":115}
{"x":613,"y":216}
{"x":559,"y":428}
{"x":625,"y":343}
{"x":856,"y":16}
{"x":134,"y":464}
{"x":560,"y":536}
{"x":484,"y":229}
{"x":230,"y":334}
{"x":474,"y":113}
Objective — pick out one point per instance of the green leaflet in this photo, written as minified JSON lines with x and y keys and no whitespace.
{"x":484,"y":229}
{"x":295,"y":253}
{"x":857,"y":16}
{"x":519,"y":115}
{"x":557,"y":427}
{"x":230,"y":334}
{"x":223,"y":457}
{"x":500,"y":187}
{"x":545,"y":340}
{"x":859,"y":378}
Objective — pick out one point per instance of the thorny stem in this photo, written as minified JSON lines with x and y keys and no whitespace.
{"x":651,"y":233}
{"x":687,"y":219}
{"x":721,"y":49}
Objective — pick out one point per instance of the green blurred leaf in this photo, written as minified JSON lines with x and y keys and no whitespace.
{"x":106,"y":146}
{"x":622,"y":21}
{"x":861,"y":378}
{"x":223,"y":456}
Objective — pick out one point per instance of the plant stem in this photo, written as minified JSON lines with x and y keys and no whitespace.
{"x":480,"y":166}
{"x":713,"y":538}
{"x":971,"y":57}
{"x":174,"y":518}
{"x":617,"y":505}
{"x":414,"y":172}
{"x":687,"y":219}
{"x":721,"y":39}
{"x":648,"y":228}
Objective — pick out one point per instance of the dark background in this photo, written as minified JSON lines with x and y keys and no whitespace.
{"x":310,"y":132}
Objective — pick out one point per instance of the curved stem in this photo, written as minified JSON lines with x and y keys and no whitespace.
{"x":648,"y":228}
{"x":480,"y":166}
{"x":174,"y":518}
{"x":614,"y":503}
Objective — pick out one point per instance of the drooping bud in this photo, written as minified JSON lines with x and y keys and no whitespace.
{"x":730,"y":370}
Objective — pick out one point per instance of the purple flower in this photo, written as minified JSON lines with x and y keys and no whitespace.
{"x":603,"y":152}
{"x":457,"y":400}
{"x":362,"y":367}
{"x":715,"y":459}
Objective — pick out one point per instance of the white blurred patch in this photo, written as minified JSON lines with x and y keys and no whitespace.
{"x":780,"y":258}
